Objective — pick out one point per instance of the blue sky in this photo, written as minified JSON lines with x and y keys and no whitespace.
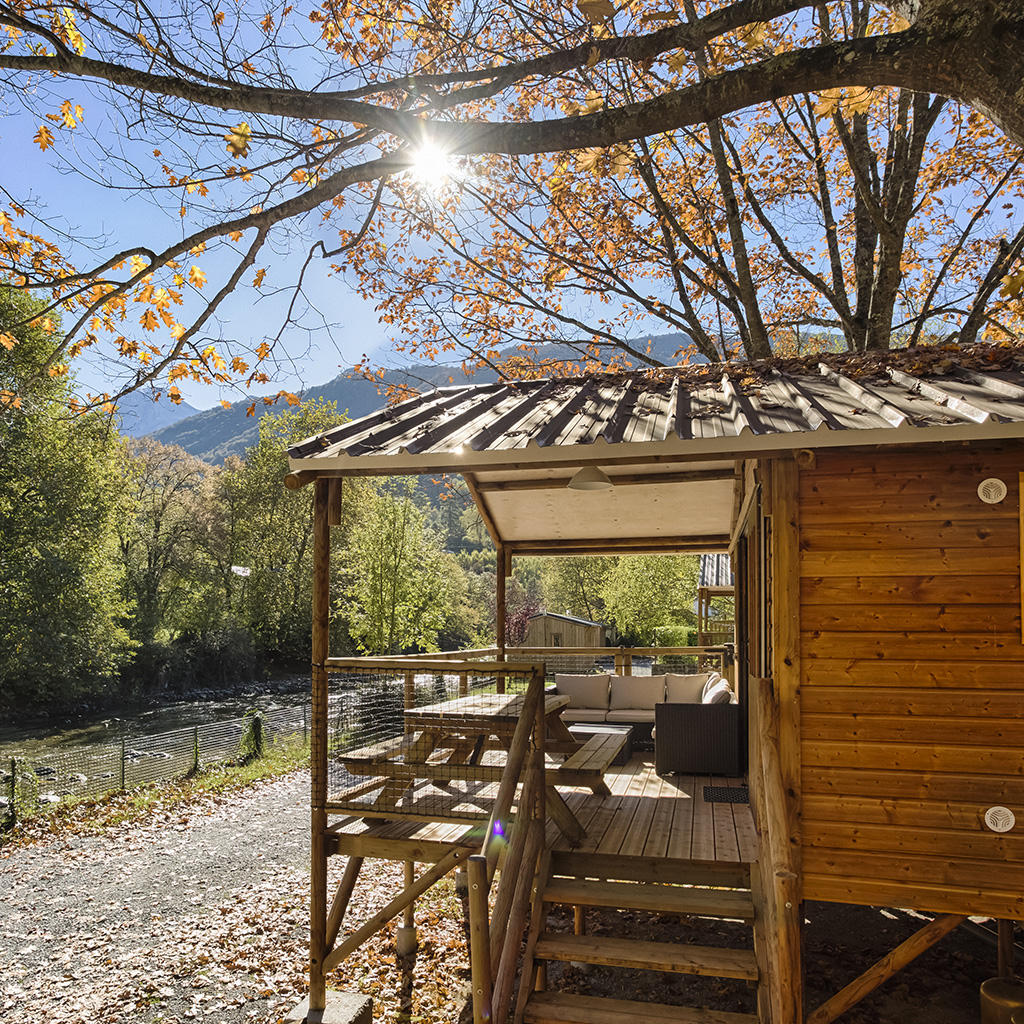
{"x":342,"y":329}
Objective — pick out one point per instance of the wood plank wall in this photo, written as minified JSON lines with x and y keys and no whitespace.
{"x":912,"y":680}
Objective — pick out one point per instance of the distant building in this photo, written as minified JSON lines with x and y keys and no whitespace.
{"x":547,"y":629}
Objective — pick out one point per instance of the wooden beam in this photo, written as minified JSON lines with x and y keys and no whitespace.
{"x":703,"y":544}
{"x":341,"y":898}
{"x":318,"y":747}
{"x":889,"y":965}
{"x":485,"y":512}
{"x":625,"y":480}
{"x":553,"y":458}
{"x":395,"y":907}
{"x":296,"y":481}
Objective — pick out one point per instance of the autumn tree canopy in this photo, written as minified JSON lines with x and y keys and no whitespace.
{"x":260,"y":126}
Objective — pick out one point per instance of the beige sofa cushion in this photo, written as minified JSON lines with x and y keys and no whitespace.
{"x":632,"y":692}
{"x":583,"y":715}
{"x":631,"y":715}
{"x":584,"y":691}
{"x":685,"y":689}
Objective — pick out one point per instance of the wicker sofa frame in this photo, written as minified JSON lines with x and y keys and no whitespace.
{"x":697,"y":739}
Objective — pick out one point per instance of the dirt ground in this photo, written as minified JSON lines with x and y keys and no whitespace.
{"x":940,"y":987}
{"x":201,"y":914}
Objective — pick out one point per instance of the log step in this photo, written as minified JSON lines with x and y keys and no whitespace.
{"x":665,"y":899}
{"x":651,"y":956}
{"x":560,"y":1008}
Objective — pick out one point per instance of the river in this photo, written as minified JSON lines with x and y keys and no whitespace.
{"x":37,"y":737}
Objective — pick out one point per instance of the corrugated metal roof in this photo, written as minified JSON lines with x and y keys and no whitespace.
{"x":909,"y":392}
{"x":715,"y":571}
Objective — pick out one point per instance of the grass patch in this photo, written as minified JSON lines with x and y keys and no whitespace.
{"x":94,"y":816}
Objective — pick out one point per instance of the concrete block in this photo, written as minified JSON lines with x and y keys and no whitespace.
{"x":342,"y":1008}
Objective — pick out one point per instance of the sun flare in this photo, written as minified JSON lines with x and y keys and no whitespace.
{"x":432,"y":166}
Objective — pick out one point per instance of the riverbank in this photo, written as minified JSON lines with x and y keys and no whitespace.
{"x":35,"y":730}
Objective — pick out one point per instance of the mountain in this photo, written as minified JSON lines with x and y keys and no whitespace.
{"x":141,"y":414}
{"x":216,"y":433}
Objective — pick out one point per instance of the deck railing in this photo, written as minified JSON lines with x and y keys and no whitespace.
{"x":496,"y":937}
{"x":514,"y":835}
{"x":620,"y":660}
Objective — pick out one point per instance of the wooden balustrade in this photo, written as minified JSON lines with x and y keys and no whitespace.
{"x":495,"y":939}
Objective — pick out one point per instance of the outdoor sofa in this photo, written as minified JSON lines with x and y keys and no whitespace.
{"x":694,"y":719}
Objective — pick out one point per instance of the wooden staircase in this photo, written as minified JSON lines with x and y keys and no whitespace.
{"x":561,"y":881}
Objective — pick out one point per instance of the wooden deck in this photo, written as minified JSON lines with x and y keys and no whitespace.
{"x":645,"y":817}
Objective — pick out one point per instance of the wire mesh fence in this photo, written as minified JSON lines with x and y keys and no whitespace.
{"x":403,"y":741}
{"x":28,"y":784}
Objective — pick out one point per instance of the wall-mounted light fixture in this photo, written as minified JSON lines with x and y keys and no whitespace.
{"x":589,"y":478}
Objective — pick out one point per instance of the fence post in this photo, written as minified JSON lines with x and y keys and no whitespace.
{"x":14,"y":791}
{"x":123,"y":753}
{"x":195,"y":749}
{"x":305,"y":728}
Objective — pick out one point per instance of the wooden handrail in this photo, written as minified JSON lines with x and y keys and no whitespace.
{"x":493,"y":978}
{"x":513,"y":772}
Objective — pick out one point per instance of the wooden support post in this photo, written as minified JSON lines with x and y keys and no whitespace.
{"x":1004,"y":950}
{"x":410,"y":696}
{"x":318,"y":746}
{"x":479,"y":939}
{"x":889,"y":965}
{"x":500,"y":605}
{"x":779,"y":738}
{"x":334,"y":501}
{"x":579,"y":920}
{"x":341,"y":898}
{"x":410,"y":880}
{"x":405,"y":939}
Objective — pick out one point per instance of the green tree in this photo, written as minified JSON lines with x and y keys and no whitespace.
{"x":651,"y":597}
{"x":260,"y":537}
{"x":62,"y":503}
{"x":162,"y":577}
{"x":575,"y":585}
{"x":399,"y":579}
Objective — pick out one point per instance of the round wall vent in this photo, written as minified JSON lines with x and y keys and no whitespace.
{"x":1000,"y":819}
{"x":992,"y":491}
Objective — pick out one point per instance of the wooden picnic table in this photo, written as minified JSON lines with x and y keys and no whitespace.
{"x":465,"y":740}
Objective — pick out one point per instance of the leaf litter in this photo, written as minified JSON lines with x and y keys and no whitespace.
{"x":202,"y":914}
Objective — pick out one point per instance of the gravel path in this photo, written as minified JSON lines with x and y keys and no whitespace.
{"x":199,"y":912}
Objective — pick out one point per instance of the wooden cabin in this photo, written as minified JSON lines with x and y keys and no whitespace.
{"x":872,"y":508}
{"x":548,"y":629}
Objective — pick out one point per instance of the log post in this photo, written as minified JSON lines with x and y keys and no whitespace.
{"x":1004,"y":950}
{"x":479,"y":939}
{"x":781,"y":760}
{"x":318,"y":744}
{"x":405,"y":937}
{"x":500,"y":610}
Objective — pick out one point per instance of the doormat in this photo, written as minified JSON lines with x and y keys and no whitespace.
{"x":726,"y":795}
